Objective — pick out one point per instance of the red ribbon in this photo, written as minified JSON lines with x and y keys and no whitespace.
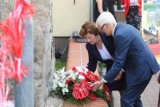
{"x":12,"y":34}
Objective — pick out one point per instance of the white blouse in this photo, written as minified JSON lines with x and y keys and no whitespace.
{"x":104,"y":53}
{"x":133,"y":2}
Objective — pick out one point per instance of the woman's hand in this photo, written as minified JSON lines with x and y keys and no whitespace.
{"x":97,"y":84}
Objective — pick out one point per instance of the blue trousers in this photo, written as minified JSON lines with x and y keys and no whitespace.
{"x":131,"y":95}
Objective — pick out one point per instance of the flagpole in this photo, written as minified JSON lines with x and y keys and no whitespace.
{"x":24,"y":91}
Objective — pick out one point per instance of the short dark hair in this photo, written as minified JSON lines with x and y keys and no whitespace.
{"x":89,"y":27}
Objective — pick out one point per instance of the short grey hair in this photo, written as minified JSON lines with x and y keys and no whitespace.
{"x":105,"y":17}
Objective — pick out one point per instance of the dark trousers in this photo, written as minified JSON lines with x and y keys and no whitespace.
{"x":159,"y":91}
{"x":111,"y":7}
{"x":119,"y":5}
{"x":159,"y":100}
{"x":133,"y":17}
{"x":131,"y":95}
{"x":118,"y":84}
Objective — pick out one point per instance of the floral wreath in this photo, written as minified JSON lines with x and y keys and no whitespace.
{"x":74,"y":86}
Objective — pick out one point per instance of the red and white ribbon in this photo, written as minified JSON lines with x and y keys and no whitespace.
{"x":12,"y":34}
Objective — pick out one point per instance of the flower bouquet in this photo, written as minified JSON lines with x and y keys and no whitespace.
{"x":74,"y":86}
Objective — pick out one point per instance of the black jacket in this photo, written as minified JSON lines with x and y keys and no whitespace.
{"x":94,"y":55}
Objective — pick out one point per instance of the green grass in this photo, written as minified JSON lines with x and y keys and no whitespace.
{"x":59,"y":64}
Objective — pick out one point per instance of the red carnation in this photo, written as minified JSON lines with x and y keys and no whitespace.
{"x":91,"y":76}
{"x":74,"y":69}
{"x":92,"y":97}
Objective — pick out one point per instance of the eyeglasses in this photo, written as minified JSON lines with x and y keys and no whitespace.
{"x":102,"y":26}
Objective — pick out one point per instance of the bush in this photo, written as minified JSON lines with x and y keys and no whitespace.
{"x":59,"y":64}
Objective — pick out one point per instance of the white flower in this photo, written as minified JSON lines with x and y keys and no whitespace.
{"x":65,"y":89}
{"x":61,"y":84}
{"x":72,"y":75}
{"x":55,"y":82}
{"x":54,"y":86}
{"x":61,"y":76}
{"x":81,"y":77}
{"x":82,"y":69}
{"x":58,"y":78}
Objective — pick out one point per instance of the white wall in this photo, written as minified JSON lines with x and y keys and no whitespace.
{"x":68,"y":17}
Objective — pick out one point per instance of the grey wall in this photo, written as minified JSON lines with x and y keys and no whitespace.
{"x":43,"y":64}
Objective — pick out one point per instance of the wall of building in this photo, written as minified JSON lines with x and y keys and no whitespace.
{"x":68,"y":16}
